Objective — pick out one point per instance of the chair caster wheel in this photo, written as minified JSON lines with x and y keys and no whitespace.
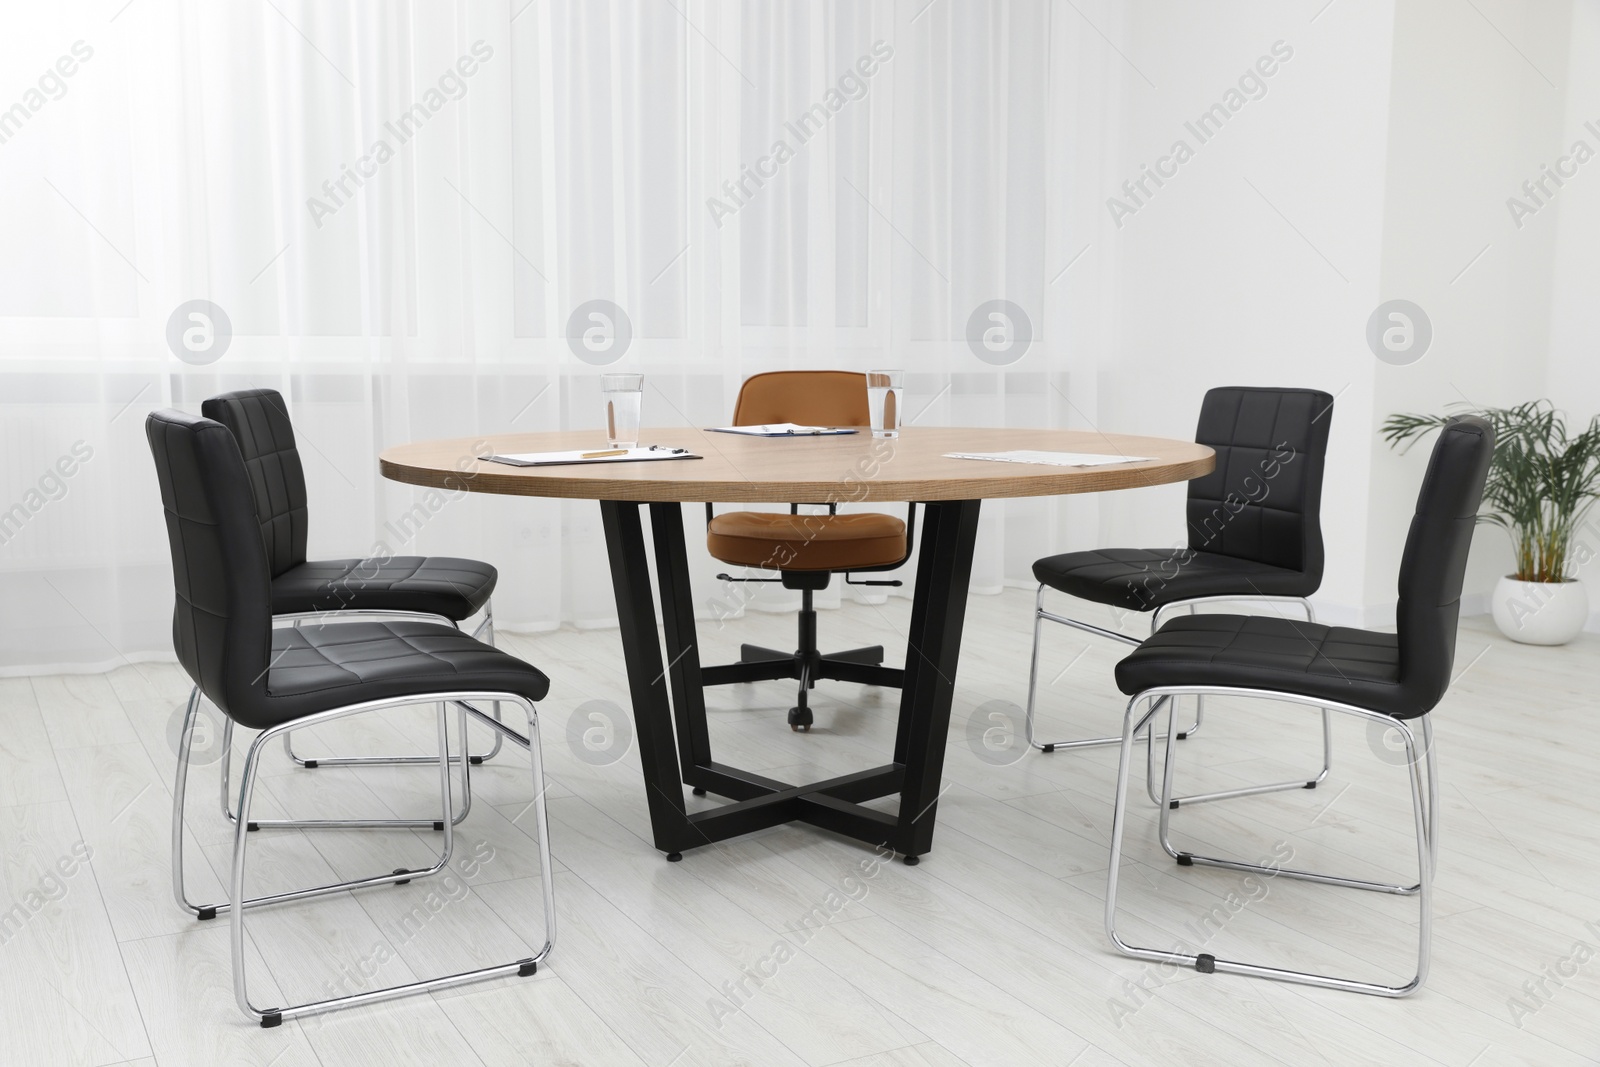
{"x":699,"y":792}
{"x":912,"y":861}
{"x":800,"y":719}
{"x":674,"y":857}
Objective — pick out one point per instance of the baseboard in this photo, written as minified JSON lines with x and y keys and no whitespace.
{"x":551,"y":627}
{"x":1381,"y":616}
{"x":100,"y":667}
{"x":1330,"y":614}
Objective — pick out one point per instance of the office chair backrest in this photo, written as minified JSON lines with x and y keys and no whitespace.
{"x":259,"y":420}
{"x":221,"y":624}
{"x":807,"y":397}
{"x":1434,"y":564}
{"x":1263,"y":500}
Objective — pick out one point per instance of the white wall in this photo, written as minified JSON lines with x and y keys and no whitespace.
{"x":1471,"y":117}
{"x":1376,"y":166}
{"x":1573,"y":225}
{"x":1259,"y":262}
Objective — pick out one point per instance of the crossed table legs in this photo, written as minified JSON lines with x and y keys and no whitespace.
{"x":669,"y":707}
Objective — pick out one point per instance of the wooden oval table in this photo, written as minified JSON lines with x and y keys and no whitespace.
{"x":668,"y":698}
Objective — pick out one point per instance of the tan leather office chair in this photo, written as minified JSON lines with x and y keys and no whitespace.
{"x":807,"y":550}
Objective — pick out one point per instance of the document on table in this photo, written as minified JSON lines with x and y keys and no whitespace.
{"x":783,"y":429}
{"x":606,"y":455}
{"x":1054,"y":459}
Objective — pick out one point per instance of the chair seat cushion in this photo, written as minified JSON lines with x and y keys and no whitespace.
{"x":326,"y":665}
{"x":1143,"y":579}
{"x":806,"y":542}
{"x":1338,"y":663}
{"x":438,"y":585}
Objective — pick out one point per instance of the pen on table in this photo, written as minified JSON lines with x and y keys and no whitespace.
{"x":609,"y":452}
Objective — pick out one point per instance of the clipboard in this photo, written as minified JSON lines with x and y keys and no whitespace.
{"x":576,"y":459}
{"x":783,"y":429}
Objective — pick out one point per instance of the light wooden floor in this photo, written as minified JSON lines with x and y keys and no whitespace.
{"x":792,"y":947}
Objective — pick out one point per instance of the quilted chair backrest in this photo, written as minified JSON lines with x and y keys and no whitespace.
{"x":221,"y":624}
{"x":259,"y":420}
{"x":1434,"y":564}
{"x":1263,"y":501}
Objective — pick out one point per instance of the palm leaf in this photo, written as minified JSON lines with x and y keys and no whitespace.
{"x":1541,"y":484}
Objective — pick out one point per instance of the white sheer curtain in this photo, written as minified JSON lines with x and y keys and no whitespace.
{"x":400,"y":206}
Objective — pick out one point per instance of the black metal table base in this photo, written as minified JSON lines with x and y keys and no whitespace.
{"x":669,"y":707}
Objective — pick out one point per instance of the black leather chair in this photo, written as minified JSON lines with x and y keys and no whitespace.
{"x":433,"y":587}
{"x":274,"y":679}
{"x":1255,"y":535}
{"x":1392,"y":681}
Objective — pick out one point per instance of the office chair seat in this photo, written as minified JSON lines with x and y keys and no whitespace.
{"x":437,"y":585}
{"x":807,"y":549}
{"x":1341,"y":664}
{"x":1143,"y":579}
{"x":314,"y":668}
{"x":806,"y":542}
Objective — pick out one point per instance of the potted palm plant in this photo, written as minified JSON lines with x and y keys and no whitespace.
{"x":1541,"y":484}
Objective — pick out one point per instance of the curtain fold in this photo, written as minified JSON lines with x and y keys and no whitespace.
{"x":410,"y":214}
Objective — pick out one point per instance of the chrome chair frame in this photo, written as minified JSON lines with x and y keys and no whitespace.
{"x":1425,"y":802}
{"x":487,"y":625}
{"x":1040,"y":614}
{"x":237,"y":903}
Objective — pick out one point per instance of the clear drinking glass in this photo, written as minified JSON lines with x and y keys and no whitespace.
{"x":624,"y":396}
{"x":885,"y":393}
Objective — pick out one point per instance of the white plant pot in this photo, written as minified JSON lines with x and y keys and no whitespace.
{"x":1540,"y":613}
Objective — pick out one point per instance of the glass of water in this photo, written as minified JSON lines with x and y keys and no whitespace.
{"x":885,"y":393}
{"x":624,"y":396}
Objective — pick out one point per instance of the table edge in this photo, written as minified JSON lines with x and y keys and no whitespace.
{"x":1072,"y":481}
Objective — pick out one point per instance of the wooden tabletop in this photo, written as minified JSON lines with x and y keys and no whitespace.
{"x":800,"y":469}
